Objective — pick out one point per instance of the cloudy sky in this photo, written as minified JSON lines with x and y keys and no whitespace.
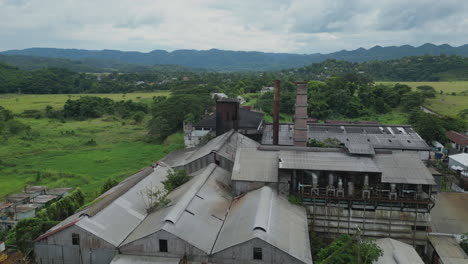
{"x":296,"y":26}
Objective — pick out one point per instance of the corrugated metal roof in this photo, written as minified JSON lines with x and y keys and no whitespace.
{"x":42,"y":199}
{"x":450,"y":213}
{"x":378,"y":136}
{"x":247,"y":120}
{"x":255,"y":165}
{"x":448,"y":249}
{"x":195,"y":213}
{"x":115,"y":221}
{"x":132,"y":259}
{"x":403,"y":167}
{"x":396,"y":252}
{"x":461,"y":158}
{"x":263,"y":214}
{"x":326,"y":161}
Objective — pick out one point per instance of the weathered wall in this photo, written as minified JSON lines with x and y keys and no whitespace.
{"x":58,"y":248}
{"x":208,"y":159}
{"x":243,"y":254}
{"x":177,"y":247}
{"x":239,"y":187}
{"x":396,"y":224}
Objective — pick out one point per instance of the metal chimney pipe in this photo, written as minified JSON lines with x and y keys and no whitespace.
{"x":276,"y":112}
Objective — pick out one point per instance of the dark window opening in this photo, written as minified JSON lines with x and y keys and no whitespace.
{"x":257,"y":253}
{"x":419,"y":228}
{"x":162,"y":245}
{"x":75,"y":239}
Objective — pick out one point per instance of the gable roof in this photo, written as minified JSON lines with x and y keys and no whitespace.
{"x":458,"y":138}
{"x":263,"y":214}
{"x":396,"y":252}
{"x":195,"y":213}
{"x":247,"y":120}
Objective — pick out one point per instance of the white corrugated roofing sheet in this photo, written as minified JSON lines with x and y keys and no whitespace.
{"x":263,"y":214}
{"x":403,"y":167}
{"x":255,"y":165}
{"x":201,"y":203}
{"x":326,"y":161}
{"x":396,"y":252}
{"x":114,"y":222}
{"x":132,"y":259}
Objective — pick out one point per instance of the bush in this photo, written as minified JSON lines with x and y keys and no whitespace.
{"x":175,"y":179}
{"x":108,"y":185}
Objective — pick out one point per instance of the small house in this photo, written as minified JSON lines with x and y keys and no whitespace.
{"x":458,"y":162}
{"x":19,"y":198}
{"x":36,"y":190}
{"x":60,"y":192}
{"x":459,"y":141}
{"x":25,"y":211}
{"x":43,"y":200}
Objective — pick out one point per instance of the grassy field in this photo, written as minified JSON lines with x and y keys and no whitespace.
{"x":60,"y":154}
{"x":19,"y":103}
{"x":446,"y":103}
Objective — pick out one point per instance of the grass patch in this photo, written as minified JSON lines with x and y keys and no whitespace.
{"x":66,"y":159}
{"x":17,"y":103}
{"x":446,"y":103}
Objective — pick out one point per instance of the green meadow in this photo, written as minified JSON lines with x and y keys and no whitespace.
{"x":20,"y":102}
{"x":75,"y":153}
{"x":453,"y":99}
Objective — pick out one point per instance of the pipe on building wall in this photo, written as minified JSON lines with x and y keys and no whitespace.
{"x":350,"y":188}
{"x":276,"y":99}
{"x":366,"y":181}
{"x":314,"y":180}
{"x":340,"y":183}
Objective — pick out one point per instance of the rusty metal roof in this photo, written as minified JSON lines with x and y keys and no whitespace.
{"x":43,"y":199}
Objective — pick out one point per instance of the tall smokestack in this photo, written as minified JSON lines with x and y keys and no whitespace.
{"x":276,"y":112}
{"x":300,"y":118}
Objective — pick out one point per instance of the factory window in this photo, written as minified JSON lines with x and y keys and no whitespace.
{"x":257,"y":253}
{"x":162,"y":245}
{"x":75,"y":239}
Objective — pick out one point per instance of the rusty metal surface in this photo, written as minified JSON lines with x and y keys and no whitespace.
{"x":276,"y":102}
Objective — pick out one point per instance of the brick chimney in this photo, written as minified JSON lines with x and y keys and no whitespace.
{"x":300,"y":117}
{"x":276,"y":113}
{"x":227,"y":115}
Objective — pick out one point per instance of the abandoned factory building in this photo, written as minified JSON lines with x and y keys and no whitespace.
{"x":235,"y":207}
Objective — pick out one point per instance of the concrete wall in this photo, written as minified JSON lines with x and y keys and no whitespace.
{"x":396,"y":224}
{"x":243,"y":254}
{"x":177,"y":247}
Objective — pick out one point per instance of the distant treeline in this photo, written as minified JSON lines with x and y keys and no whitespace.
{"x":417,"y":68}
{"x":56,"y":80}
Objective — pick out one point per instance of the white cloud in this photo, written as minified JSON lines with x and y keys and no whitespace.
{"x":301,"y":26}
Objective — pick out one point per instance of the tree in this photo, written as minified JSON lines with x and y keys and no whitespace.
{"x":411,"y":101}
{"x":346,"y":250}
{"x":428,"y":126}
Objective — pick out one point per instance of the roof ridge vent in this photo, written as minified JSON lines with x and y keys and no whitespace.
{"x":181,"y":205}
{"x":262,"y":217}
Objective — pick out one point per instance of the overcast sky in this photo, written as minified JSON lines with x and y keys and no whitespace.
{"x":299,"y":26}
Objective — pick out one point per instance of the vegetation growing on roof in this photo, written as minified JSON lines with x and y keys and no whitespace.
{"x":175,"y":179}
{"x":326,"y":143}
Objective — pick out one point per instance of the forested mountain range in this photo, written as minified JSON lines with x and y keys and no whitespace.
{"x":61,"y":80}
{"x":225,"y":60}
{"x":27,"y":62}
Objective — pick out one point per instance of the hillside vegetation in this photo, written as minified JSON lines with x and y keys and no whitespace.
{"x":226,"y":60}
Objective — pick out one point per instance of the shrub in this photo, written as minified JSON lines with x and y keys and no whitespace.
{"x":175,"y":179}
